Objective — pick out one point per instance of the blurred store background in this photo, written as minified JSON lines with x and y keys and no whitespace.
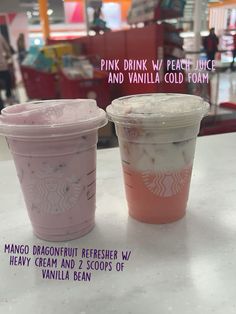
{"x":56,"y":47}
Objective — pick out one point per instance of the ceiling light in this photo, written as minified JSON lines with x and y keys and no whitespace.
{"x":35,"y":13}
{"x":29,"y":14}
{"x":50,"y":11}
{"x":37,"y":42}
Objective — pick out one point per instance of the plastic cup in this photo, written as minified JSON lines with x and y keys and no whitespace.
{"x":53,"y":144}
{"x":157,"y":136}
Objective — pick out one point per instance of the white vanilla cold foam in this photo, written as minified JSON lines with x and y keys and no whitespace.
{"x":157,"y":132}
{"x":158,"y":157}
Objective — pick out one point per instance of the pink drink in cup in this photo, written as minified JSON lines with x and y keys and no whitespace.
{"x":157,"y":136}
{"x":53,"y":144}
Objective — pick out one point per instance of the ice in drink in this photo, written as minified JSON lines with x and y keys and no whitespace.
{"x":157,"y":136}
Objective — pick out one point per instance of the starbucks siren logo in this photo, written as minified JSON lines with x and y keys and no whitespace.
{"x":52,"y":192}
{"x":166,"y":184}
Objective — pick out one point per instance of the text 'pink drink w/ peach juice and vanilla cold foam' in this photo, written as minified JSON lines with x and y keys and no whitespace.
{"x":157,"y":137}
{"x":53,"y":144}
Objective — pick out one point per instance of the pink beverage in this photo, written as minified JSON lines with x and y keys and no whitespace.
{"x":157,"y":136}
{"x":53,"y":144}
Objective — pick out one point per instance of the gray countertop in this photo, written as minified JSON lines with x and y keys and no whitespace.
{"x":184,"y":267}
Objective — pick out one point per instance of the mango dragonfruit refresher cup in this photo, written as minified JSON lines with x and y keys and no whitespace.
{"x":157,"y":136}
{"x":53,"y":144}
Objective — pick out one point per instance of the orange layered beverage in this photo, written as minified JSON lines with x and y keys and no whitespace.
{"x":157,"y":137}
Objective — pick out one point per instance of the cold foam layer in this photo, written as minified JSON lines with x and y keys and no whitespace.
{"x":170,"y":157}
{"x":158,"y":110}
{"x":163,"y":104}
{"x":157,"y":132}
{"x":53,"y":116}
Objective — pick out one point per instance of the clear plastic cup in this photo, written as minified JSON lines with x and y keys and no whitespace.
{"x":157,"y":136}
{"x":53,"y":144}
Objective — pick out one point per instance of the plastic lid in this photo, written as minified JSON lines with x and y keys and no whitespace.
{"x":158,"y":110}
{"x":51,"y":118}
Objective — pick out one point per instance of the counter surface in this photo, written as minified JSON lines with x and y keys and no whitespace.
{"x":184,"y":267}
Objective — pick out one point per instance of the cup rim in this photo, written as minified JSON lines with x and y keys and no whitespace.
{"x":158,"y":119}
{"x":33,"y":130}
